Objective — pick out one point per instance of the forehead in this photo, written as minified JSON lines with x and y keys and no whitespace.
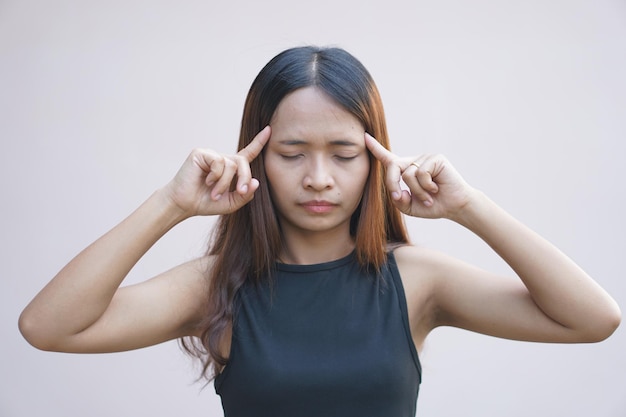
{"x":310,"y":114}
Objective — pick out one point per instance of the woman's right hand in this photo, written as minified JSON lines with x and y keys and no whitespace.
{"x":202,"y":185}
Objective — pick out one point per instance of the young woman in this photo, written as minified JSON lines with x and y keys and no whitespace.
{"x":311,"y":300}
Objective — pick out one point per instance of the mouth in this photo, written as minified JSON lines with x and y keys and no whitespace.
{"x":318,"y":206}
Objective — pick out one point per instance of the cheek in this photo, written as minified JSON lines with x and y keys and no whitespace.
{"x":270,"y":167}
{"x":363,"y":174}
{"x":275,"y":174}
{"x":356,"y":179}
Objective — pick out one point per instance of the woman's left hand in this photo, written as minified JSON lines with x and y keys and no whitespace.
{"x":435,"y":188}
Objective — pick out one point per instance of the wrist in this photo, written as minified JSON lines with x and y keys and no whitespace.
{"x":476,"y":208}
{"x":171,"y":212}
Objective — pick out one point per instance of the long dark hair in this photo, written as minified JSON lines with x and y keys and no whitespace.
{"x":246,"y":244}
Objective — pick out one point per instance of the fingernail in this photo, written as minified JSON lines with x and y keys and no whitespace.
{"x":427,"y":203}
{"x":395,"y":195}
{"x":244,"y":188}
{"x":217,"y":197}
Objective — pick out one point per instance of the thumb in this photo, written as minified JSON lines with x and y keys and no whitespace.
{"x":402,"y":200}
{"x":237,"y":200}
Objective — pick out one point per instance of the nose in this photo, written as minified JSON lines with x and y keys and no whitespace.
{"x":318,"y":175}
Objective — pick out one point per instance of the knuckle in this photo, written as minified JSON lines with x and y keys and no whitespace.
{"x":229,"y":163}
{"x":201,"y":152}
{"x":244,"y":151}
{"x":439,"y":157}
{"x":407,"y":177}
{"x":240,"y":159}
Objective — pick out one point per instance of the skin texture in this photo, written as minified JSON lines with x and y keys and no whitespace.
{"x":554,"y":300}
{"x":322,"y":148}
{"x":83,"y":309}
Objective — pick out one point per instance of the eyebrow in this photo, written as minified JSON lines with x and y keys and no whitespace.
{"x":338,"y":142}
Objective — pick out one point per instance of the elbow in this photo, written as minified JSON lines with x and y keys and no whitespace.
{"x":33,"y":333}
{"x":604,"y":326}
{"x":613,"y":321}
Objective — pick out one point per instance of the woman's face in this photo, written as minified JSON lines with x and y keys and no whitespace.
{"x":316,"y":163}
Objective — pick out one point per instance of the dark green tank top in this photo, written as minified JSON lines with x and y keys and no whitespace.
{"x":324,"y":340}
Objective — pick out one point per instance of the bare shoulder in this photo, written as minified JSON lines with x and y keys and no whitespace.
{"x":424,"y":264}
{"x":417,"y":261}
{"x":187,"y":287}
{"x":167,"y":306}
{"x":419,"y":268}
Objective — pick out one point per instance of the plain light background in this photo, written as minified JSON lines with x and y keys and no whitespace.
{"x":101,"y":101}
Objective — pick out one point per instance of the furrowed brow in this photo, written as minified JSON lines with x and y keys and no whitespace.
{"x":292,"y":142}
{"x":340,"y":142}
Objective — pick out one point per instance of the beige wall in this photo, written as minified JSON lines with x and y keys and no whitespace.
{"x":101,"y":101}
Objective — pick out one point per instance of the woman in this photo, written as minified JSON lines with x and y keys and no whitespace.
{"x":311,"y":300}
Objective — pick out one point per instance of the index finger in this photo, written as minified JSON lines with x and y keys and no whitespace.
{"x":247,"y":155}
{"x":381,"y":153}
{"x":255,"y":146}
{"x":389,"y":160}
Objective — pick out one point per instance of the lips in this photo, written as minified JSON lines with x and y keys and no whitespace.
{"x":318,"y":206}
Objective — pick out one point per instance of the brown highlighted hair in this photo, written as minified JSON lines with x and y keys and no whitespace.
{"x":246,"y":244}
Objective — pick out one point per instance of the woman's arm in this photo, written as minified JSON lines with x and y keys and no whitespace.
{"x":83,"y":309}
{"x":558,"y":301}
{"x":554,"y":300}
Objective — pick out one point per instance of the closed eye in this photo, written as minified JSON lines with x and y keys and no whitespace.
{"x":345,"y":158}
{"x":291,"y":157}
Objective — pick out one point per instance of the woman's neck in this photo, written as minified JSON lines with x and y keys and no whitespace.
{"x":315,"y":248}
